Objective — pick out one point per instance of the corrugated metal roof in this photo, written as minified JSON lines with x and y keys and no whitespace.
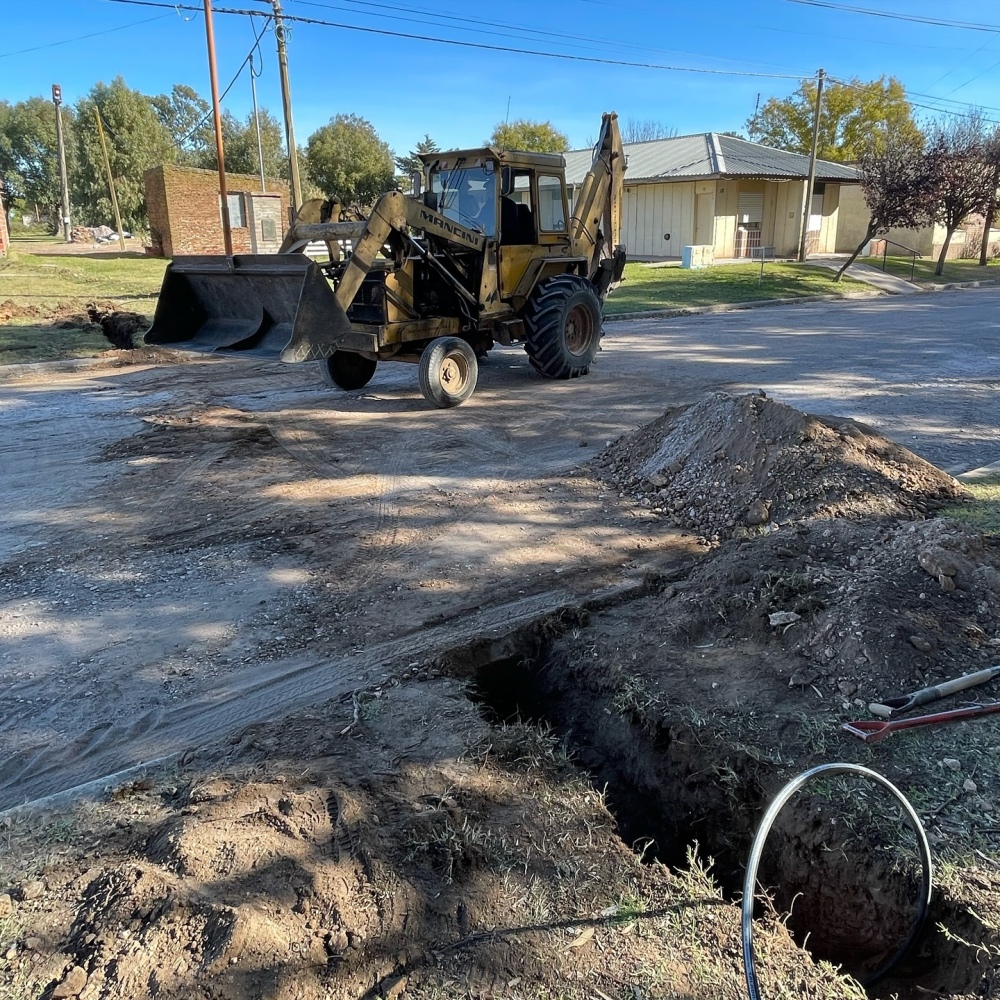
{"x":707,"y":155}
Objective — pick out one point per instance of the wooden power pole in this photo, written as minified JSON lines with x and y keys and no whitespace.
{"x":811,"y":182}
{"x":61,"y":151}
{"x":227,"y":232}
{"x":111,"y":180}
{"x":286,"y":102}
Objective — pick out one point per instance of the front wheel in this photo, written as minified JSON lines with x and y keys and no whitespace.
{"x":448,"y":372}
{"x":563,"y":325}
{"x":347,"y":370}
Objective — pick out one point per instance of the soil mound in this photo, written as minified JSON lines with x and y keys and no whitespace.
{"x":732,"y":465}
{"x":69,"y":315}
{"x":864,"y":610}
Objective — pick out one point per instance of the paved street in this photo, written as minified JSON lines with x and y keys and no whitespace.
{"x":924,"y":370}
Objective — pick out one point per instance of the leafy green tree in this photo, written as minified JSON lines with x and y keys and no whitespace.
{"x":137,"y":140}
{"x":407,"y":164}
{"x":183,"y":112}
{"x":29,"y":162}
{"x":349,"y":161}
{"x":851,"y":113}
{"x":240,"y":141}
{"x":534,"y":137}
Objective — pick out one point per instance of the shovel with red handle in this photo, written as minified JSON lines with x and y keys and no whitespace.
{"x":871,"y":731}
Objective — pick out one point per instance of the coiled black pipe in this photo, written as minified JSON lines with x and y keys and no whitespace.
{"x":757,"y":850}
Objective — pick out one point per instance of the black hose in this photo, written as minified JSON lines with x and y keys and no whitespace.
{"x":757,"y":850}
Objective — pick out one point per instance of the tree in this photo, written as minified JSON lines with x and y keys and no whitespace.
{"x":645,"y":130}
{"x":29,"y":163}
{"x":408,"y":164}
{"x":534,"y":137}
{"x":240,"y":142}
{"x":992,"y":157}
{"x":851,"y":113}
{"x":349,"y":161}
{"x":183,"y":112}
{"x":959,"y":155}
{"x":137,"y":140}
{"x":897,"y":185}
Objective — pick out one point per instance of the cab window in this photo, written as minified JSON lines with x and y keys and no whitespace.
{"x":469,"y":196}
{"x":551,"y":215}
{"x":517,"y":217}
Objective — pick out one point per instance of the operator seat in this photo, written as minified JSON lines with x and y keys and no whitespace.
{"x":517,"y":225}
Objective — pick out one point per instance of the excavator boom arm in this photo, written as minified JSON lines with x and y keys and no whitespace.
{"x":595,"y":227}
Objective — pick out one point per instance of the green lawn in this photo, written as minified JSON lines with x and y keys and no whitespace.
{"x":23,"y":343}
{"x":983,"y":510}
{"x":669,"y":287}
{"x":43,"y":298}
{"x":33,"y":276}
{"x":923,"y":273}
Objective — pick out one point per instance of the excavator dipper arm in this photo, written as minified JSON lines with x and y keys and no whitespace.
{"x":595,"y":227}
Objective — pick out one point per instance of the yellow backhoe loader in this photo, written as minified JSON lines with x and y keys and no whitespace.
{"x":484,"y":251}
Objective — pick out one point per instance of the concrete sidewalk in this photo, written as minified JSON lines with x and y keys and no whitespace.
{"x":870,"y":275}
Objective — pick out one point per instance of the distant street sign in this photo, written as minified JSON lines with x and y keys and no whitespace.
{"x":762,"y":254}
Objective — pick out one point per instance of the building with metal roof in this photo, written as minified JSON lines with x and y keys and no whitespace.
{"x":717,"y":190}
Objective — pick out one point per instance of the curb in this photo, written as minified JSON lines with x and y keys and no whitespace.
{"x":761,"y":303}
{"x":113,"y":360}
{"x":724,"y":307}
{"x":63,"y":365}
{"x":982,"y":472}
{"x":952,"y":285}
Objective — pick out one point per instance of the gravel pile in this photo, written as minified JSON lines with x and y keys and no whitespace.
{"x":732,"y":466}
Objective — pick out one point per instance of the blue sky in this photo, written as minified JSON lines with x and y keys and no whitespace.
{"x":407,"y":87}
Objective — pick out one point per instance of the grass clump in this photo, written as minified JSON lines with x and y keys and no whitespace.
{"x":982,"y":511}
{"x":923,"y":272}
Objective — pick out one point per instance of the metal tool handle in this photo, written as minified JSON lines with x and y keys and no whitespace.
{"x":958,"y":684}
{"x":955,"y":715}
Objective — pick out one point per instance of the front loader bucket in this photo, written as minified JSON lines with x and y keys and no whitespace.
{"x":277,"y":306}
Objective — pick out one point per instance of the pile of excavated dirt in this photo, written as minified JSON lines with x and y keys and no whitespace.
{"x":68,"y":314}
{"x":11,"y":310}
{"x":731,"y":465}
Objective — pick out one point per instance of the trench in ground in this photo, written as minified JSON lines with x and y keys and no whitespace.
{"x":840,"y":860}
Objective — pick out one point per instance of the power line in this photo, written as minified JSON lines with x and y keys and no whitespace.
{"x":973,"y":112}
{"x":239,"y":72}
{"x":80,"y":38}
{"x":479,"y":45}
{"x":480,"y":24}
{"x":940,"y":22}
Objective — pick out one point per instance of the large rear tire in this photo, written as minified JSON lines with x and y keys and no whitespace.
{"x":563,"y":325}
{"x":347,"y":370}
{"x":448,"y":372}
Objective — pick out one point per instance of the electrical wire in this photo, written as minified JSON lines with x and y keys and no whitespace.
{"x":975,"y":110}
{"x":239,"y":72}
{"x":913,"y":18}
{"x":757,"y":851}
{"x":296,"y":18}
{"x":80,"y":38}
{"x":543,"y":35}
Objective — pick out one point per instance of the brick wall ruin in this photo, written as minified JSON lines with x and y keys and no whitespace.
{"x":185,"y":215}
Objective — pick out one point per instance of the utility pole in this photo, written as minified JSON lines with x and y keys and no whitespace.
{"x":286,"y":102}
{"x":111,"y":180}
{"x":811,"y":182}
{"x":256,"y":121}
{"x":61,"y":148}
{"x":227,"y":232}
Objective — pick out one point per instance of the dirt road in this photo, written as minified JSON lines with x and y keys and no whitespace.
{"x":192,"y":548}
